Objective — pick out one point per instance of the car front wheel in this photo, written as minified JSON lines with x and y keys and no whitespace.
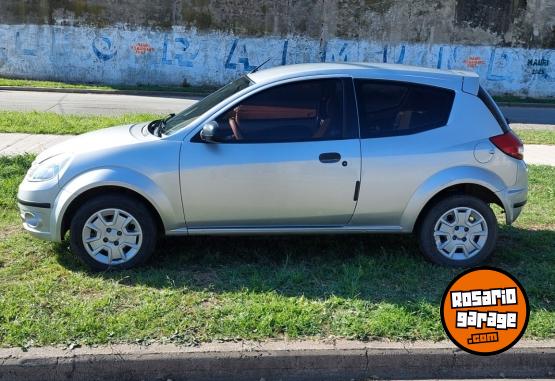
{"x":458,"y":231}
{"x":113,"y":232}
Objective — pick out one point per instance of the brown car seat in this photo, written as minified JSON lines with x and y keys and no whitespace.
{"x":327,"y":118}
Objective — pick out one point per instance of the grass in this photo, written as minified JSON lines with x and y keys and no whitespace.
{"x":536,"y":136}
{"x":204,"y":289}
{"x":91,"y":86}
{"x":49,"y":84}
{"x":35,"y":122}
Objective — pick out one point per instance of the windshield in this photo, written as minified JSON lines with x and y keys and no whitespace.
{"x":189,"y":115}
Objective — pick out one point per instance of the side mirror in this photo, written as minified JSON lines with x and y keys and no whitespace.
{"x":212,"y":133}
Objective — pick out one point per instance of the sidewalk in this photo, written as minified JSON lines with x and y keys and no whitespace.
{"x":12,"y":144}
{"x":277,"y":360}
{"x":534,"y":127}
{"x":16,"y":144}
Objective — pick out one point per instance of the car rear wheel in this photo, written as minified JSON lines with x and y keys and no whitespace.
{"x":112,"y":232}
{"x":458,"y":231}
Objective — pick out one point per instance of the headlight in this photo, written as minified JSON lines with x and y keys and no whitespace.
{"x":48,"y":169}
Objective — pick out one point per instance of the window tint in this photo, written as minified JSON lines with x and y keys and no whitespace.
{"x":394,"y":108}
{"x":189,"y":115}
{"x":306,"y":110}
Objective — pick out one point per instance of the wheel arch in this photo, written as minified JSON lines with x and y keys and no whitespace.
{"x":105,"y":190}
{"x":113,"y":180}
{"x":477,"y":182}
{"x":468,"y":189}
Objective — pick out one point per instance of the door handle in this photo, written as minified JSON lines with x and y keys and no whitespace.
{"x":329,"y":157}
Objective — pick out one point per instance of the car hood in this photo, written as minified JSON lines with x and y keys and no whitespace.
{"x":92,"y":141}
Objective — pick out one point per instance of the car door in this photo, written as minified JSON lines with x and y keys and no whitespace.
{"x":404,"y":138}
{"x":290,"y":157}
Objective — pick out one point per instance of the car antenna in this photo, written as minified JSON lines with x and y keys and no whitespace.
{"x":259,"y":66}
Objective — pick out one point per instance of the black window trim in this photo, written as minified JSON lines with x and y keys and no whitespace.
{"x":489,"y":102}
{"x":404,"y":83}
{"x":344,"y":84}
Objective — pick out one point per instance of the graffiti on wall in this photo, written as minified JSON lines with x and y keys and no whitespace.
{"x":178,"y":50}
{"x":171,"y":57}
{"x":26,"y":43}
{"x":473,"y":62}
{"x":538,"y":66}
{"x":237,"y":57}
{"x":103,"y":48}
{"x":142,"y":48}
{"x":3,"y":48}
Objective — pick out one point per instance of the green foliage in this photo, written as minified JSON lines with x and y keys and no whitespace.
{"x":90,"y":86}
{"x":537,"y":136}
{"x":35,"y":122}
{"x":208,"y":288}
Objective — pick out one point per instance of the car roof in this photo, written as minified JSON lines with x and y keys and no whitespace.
{"x":452,"y":79}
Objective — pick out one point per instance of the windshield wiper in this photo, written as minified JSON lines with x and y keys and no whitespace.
{"x":156,"y":127}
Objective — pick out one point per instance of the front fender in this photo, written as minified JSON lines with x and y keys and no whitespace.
{"x":443,"y":180}
{"x":171,"y":216}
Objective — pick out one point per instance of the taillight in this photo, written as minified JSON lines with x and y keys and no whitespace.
{"x":510,"y":144}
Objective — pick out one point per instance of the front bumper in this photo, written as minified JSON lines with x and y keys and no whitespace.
{"x":36,"y":218}
{"x":35,"y":201}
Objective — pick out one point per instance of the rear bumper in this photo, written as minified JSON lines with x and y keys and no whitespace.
{"x":514,"y":198}
{"x":516,"y":201}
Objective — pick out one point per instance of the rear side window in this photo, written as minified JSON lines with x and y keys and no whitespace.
{"x":492,"y":107}
{"x":394,"y":108}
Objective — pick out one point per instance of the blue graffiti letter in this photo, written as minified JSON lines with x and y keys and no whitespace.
{"x":102,"y":47}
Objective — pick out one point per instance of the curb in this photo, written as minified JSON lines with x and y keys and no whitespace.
{"x":167,"y":94}
{"x":343,"y":360}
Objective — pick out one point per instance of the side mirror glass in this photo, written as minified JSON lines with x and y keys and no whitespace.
{"x":211,"y":132}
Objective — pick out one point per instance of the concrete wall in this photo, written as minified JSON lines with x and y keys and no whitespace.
{"x":171,"y":42}
{"x":521,"y":23}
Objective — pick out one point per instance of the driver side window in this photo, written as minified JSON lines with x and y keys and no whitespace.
{"x":300,"y":111}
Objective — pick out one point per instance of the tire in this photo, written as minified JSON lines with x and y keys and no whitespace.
{"x":452,"y":236}
{"x":121,"y":230}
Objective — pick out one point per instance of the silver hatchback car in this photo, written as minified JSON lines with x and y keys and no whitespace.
{"x":312,"y":148}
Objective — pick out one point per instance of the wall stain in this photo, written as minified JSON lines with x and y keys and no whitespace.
{"x":506,"y":23}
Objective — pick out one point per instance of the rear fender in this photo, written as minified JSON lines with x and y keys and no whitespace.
{"x":443,"y":180}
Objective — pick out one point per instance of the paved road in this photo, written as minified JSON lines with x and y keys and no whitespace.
{"x":108,"y":104}
{"x":532,"y":115}
{"x":94,"y":104}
